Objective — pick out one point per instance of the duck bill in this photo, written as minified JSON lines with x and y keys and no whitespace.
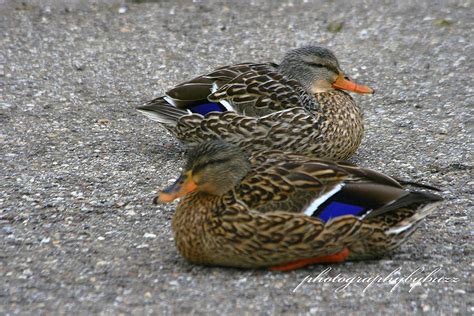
{"x":344,"y":84}
{"x":179,"y":188}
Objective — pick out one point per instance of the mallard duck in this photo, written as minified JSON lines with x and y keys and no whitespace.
{"x":296,"y":106}
{"x":285,"y":211}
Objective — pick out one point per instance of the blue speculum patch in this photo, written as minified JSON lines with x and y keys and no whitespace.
{"x":335,"y":209}
{"x":205,"y":108}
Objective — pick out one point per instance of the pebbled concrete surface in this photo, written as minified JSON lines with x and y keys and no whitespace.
{"x":79,"y":167}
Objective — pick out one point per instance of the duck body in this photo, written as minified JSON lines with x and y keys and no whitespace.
{"x":268,"y":106}
{"x":290,"y":210}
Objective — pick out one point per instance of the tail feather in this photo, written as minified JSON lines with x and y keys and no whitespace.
{"x":388,"y":235}
{"x":161,"y":111}
{"x":410,"y":199}
{"x":410,"y":223}
{"x":417,"y":185}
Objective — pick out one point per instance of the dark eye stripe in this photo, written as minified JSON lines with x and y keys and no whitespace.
{"x":211,"y":162}
{"x":316,"y":65}
{"x":333,"y":69}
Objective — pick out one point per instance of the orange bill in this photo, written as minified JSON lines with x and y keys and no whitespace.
{"x":345,"y":84}
{"x":179,"y":188}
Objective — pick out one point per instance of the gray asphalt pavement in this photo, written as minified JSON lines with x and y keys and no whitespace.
{"x":79,"y":166}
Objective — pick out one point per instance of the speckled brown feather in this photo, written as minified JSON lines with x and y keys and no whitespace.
{"x":271,"y":112}
{"x":260,"y":222}
{"x":201,"y":86}
{"x":241,"y":238}
{"x":262,"y":91}
{"x":333,"y":132}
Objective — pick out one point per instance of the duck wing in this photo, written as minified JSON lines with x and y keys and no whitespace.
{"x":322,"y":189}
{"x":261,"y":91}
{"x":192,"y":96}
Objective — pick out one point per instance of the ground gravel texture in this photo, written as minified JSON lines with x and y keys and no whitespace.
{"x":79,"y":166}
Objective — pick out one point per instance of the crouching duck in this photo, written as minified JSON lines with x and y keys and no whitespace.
{"x":285,"y":211}
{"x":296,"y":106}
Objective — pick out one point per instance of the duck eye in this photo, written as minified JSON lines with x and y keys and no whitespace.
{"x":347,"y":78}
{"x":315,"y":65}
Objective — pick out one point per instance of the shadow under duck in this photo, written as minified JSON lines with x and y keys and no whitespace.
{"x":296,"y":106}
{"x":285,"y":211}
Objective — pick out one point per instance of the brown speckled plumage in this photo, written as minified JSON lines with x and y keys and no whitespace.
{"x":260,"y":220}
{"x":290,"y":107}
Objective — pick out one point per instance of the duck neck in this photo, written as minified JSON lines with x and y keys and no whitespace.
{"x":190,"y":225}
{"x":343,"y":124}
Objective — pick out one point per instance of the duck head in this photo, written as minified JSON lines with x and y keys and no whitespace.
{"x":213,"y":167}
{"x":318,"y":70}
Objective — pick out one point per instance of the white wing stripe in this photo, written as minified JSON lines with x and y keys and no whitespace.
{"x":227,"y":105}
{"x":169,"y":100}
{"x":313,"y":206}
